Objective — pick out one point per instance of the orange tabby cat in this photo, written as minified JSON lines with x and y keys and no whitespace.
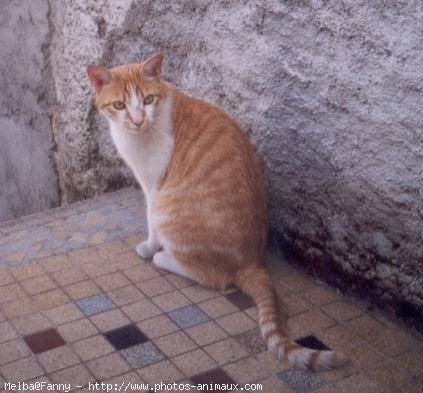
{"x":206,"y":205}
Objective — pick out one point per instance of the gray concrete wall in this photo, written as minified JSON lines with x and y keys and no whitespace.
{"x":330,"y":92}
{"x":28,"y":182}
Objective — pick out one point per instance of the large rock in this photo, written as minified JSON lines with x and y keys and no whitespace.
{"x":330,"y":93}
{"x":28,"y":181}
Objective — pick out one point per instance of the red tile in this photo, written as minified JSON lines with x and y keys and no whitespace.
{"x":240,"y":300}
{"x":44,"y":340}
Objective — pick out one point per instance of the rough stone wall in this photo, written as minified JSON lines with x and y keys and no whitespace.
{"x":330,"y":92}
{"x":28,"y":181}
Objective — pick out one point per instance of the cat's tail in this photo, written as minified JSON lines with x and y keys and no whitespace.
{"x":255,"y":282}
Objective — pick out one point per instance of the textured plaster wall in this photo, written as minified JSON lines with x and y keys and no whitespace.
{"x":28,"y":181}
{"x":330,"y":92}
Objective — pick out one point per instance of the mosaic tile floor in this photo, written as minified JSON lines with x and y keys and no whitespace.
{"x":77,"y":306}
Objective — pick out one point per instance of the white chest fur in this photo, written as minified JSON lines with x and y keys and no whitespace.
{"x":147,"y":153}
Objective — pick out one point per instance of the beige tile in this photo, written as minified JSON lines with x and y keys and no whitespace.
{"x":11,"y":292}
{"x":194,"y":362}
{"x":294,"y":305}
{"x":126,"y":260}
{"x":108,"y":366}
{"x":247,"y":370}
{"x":113,"y":248}
{"x":76,"y":375}
{"x":273,"y":384}
{"x":7,"y":332}
{"x":155,"y":286}
{"x":269,"y":360}
{"x":226,"y":351}
{"x":56,"y":263}
{"x":252,"y":313}
{"x":13,"y":350}
{"x":321,"y":296}
{"x":141,"y":273}
{"x":5,"y":277}
{"x":338,"y":337}
{"x":82,"y":289}
{"x":77,"y":330}
{"x":388,"y":378}
{"x":298,"y":283}
{"x":58,"y":358}
{"x":64,"y":313}
{"x":197,"y":293}
{"x":175,"y":344}
{"x":393,"y":342}
{"x":412,"y":362}
{"x":50,"y":299}
{"x":342,"y":311}
{"x":112,"y":281}
{"x":21,"y":370}
{"x":31,"y":324}
{"x":360,"y":357}
{"x":217,"y":307}
{"x":38,"y":284}
{"x":164,"y":372}
{"x":314,"y":320}
{"x":139,"y":311}
{"x":365,"y":327}
{"x":69,"y":276}
{"x":295,"y":330}
{"x":206,"y":333}
{"x":236,"y":323}
{"x":19,"y":308}
{"x":158,"y":326}
{"x":83,"y":256}
{"x":92,"y":347}
{"x":171,"y":301}
{"x":126,"y":295}
{"x":101,"y":268}
{"x":109,"y":320}
{"x":28,"y":271}
{"x":178,"y":281}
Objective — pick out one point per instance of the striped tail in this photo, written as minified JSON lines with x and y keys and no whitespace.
{"x":255,"y":282}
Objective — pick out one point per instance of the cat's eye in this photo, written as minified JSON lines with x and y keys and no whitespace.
{"x":119,"y":105}
{"x":148,"y":99}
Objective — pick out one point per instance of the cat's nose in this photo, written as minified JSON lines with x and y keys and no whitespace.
{"x":138,"y":123}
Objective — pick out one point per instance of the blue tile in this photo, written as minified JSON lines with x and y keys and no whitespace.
{"x":188,"y":316}
{"x":95,"y":304}
{"x":142,"y":355}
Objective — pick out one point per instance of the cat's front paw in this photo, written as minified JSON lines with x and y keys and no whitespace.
{"x":145,"y":250}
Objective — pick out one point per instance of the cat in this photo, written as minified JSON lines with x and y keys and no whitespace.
{"x":206,"y":205}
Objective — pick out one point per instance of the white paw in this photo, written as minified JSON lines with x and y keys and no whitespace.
{"x":144,"y":250}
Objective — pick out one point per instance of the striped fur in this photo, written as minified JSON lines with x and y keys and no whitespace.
{"x":204,"y":191}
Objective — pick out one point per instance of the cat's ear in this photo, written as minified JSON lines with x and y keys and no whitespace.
{"x":152,"y":67}
{"x":99,"y":76}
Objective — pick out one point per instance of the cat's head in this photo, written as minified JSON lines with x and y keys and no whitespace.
{"x":129,"y":96}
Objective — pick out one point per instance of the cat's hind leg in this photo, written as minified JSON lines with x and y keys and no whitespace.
{"x":165,"y":260}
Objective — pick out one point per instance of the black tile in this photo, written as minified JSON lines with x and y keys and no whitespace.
{"x":125,"y":337}
{"x":312,"y":342}
{"x":44,"y":341}
{"x":214,"y":379}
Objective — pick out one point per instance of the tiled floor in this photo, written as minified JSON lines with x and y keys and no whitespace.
{"x":78,"y":306}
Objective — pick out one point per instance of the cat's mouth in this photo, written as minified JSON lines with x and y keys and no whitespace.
{"x":133,"y":129}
